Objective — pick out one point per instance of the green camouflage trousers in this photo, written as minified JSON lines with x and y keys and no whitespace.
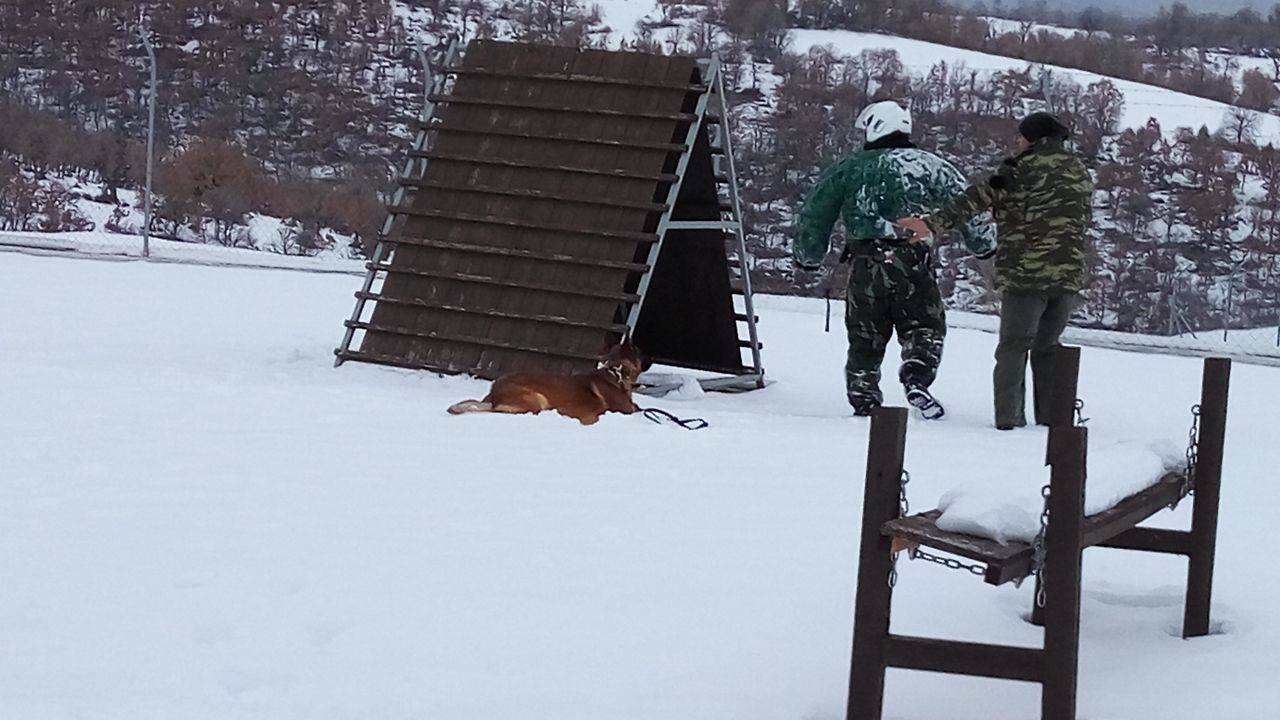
{"x":894,"y":290}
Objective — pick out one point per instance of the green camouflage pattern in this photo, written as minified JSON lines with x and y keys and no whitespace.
{"x":892,"y":289}
{"x":1042,"y":213}
{"x":870,"y":190}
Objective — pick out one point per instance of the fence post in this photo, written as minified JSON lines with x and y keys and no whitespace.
{"x":151,"y":140}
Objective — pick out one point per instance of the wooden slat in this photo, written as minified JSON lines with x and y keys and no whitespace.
{"x":605,"y":172}
{"x":516,"y":252}
{"x":523,"y":224}
{"x":447,"y":127}
{"x":1132,"y":510}
{"x":402,"y":362}
{"x":1004,"y":562}
{"x":1012,"y":561}
{"x":577,"y":78}
{"x":528,"y":106}
{"x":470,"y":340}
{"x":485,"y":280}
{"x":1005,"y":662}
{"x":534,"y":194}
{"x":506,"y":314}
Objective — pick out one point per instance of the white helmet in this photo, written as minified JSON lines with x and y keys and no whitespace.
{"x":883,"y":118}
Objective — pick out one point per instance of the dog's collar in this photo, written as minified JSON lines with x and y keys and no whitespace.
{"x":616,"y":374}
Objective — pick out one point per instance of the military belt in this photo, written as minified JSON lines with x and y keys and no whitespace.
{"x":879,"y":250}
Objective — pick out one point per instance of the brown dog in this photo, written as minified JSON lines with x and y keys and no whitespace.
{"x":583,"y":396}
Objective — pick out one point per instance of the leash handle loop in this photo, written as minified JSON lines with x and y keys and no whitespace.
{"x":662,"y":416}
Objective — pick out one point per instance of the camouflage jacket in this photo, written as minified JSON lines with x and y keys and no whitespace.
{"x":1042,"y":204}
{"x":873,"y":188}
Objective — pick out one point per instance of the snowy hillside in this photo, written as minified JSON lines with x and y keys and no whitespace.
{"x":201,"y":518}
{"x":1172,"y":109}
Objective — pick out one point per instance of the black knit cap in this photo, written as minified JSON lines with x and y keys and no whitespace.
{"x":1042,"y":125}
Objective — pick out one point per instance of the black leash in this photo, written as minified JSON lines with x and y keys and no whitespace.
{"x":662,"y":416}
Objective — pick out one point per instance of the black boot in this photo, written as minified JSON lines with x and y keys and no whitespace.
{"x":921,"y":399}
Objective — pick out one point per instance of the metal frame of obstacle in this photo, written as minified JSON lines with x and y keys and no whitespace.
{"x":705,"y":209}
{"x":1067,"y":533}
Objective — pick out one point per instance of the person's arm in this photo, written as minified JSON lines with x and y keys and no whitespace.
{"x":978,"y":233}
{"x":964,"y":209}
{"x":819,"y":214}
{"x":975,"y":200}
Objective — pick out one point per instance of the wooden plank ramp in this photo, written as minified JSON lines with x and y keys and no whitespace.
{"x":1010,"y":562}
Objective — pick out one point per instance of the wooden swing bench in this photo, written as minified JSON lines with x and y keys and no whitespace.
{"x":1057,"y":567}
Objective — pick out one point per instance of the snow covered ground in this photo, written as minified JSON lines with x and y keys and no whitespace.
{"x":201,"y":518}
{"x":1172,"y":109}
{"x":121,"y":246}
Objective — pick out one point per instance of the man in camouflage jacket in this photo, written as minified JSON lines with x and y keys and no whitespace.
{"x":891,"y":281}
{"x":1042,"y":203}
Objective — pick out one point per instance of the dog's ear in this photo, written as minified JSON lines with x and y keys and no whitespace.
{"x":623,"y":349}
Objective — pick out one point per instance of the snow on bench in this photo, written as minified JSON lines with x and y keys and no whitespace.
{"x":1007,"y":508}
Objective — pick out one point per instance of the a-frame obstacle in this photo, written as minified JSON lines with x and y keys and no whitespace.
{"x":1054,"y":558}
{"x":554,"y":200}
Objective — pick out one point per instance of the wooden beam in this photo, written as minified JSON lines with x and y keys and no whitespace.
{"x":527,"y":106}
{"x":1064,"y":538}
{"x":1012,"y":561}
{"x":1157,"y":540}
{"x":1005,"y":562}
{"x":872,"y":600}
{"x":505,"y":314}
{"x":448,"y":127}
{"x":1214,"y":391}
{"x":1064,"y":392}
{"x":533,"y":194}
{"x":504,"y":73}
{"x":1127,"y":513}
{"x":465,"y":339}
{"x":497,"y":162}
{"x":1004,"y":662}
{"x":552,"y":257}
{"x":496,"y":282}
{"x":522,"y":224}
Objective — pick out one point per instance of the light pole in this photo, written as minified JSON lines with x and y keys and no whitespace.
{"x":151,"y":140}
{"x":426,"y":77}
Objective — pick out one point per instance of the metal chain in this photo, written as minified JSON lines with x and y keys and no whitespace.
{"x":1039,"y":549}
{"x":952,"y":563}
{"x":1080,"y":418}
{"x":1193,"y":453}
{"x":904,"y":509}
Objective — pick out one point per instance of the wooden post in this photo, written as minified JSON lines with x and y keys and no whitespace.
{"x":1064,"y":540}
{"x":1062,"y":413}
{"x":1066,"y":383}
{"x":1208,"y":482}
{"x":875,"y":559}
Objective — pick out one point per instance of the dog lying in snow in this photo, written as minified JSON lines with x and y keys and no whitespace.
{"x":582,"y":396}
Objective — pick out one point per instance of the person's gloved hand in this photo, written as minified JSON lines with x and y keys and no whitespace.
{"x":1005,"y":176}
{"x":805,"y":275}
